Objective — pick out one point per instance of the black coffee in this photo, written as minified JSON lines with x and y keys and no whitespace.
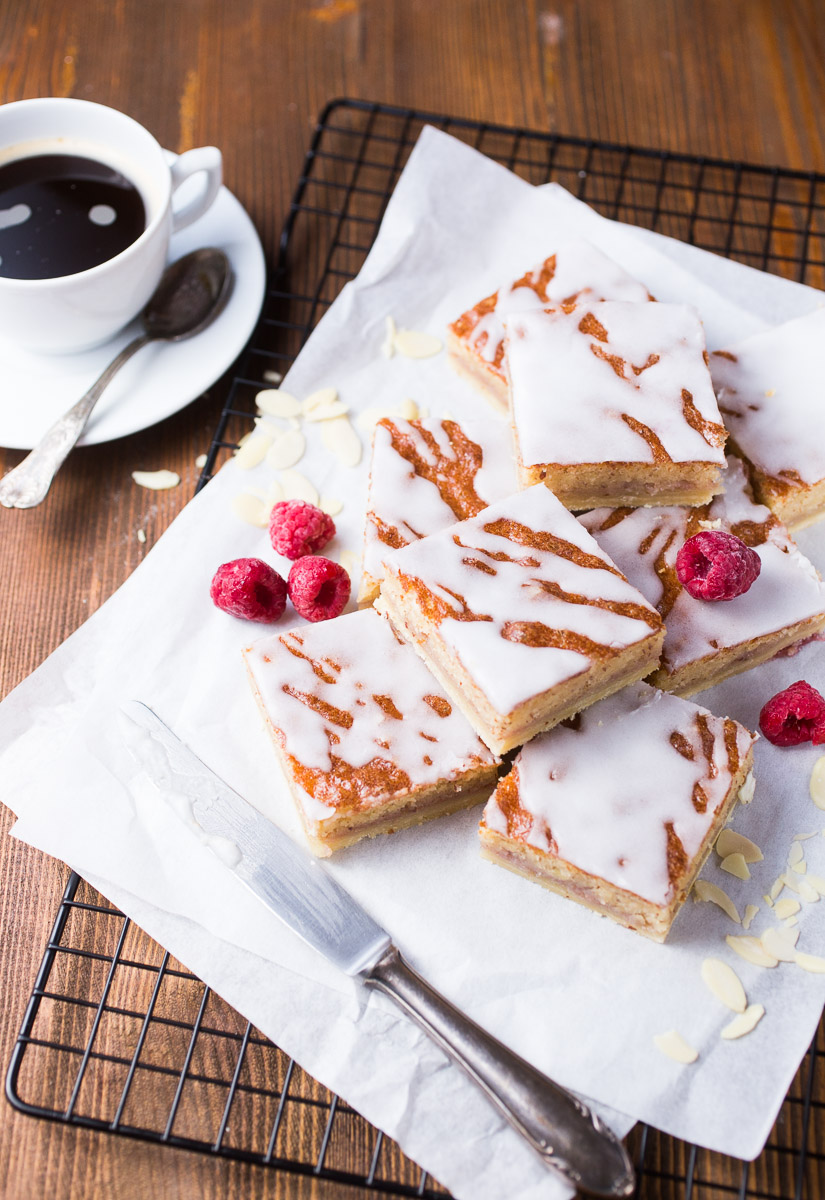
{"x":60,"y":214}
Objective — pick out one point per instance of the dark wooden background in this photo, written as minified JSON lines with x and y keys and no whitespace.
{"x":741,"y":79}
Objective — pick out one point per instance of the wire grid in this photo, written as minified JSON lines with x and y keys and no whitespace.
{"x":117,"y":1036}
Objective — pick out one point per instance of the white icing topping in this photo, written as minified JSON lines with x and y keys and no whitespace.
{"x":575,"y":273}
{"x":772,"y":397}
{"x":612,"y":823}
{"x":359,"y":677}
{"x":581,"y":378}
{"x":787,"y":590}
{"x":411,"y":506}
{"x":477,"y":573}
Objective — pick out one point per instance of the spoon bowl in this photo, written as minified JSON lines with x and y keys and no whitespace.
{"x":191,"y":293}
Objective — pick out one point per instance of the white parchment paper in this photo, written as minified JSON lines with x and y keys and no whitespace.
{"x":578,"y":996}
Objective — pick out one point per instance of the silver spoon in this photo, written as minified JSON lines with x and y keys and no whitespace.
{"x":191,"y":293}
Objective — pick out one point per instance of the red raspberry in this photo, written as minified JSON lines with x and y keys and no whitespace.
{"x":249,"y":588}
{"x":318,"y":588}
{"x":794,"y":716}
{"x":713,"y":565}
{"x":297,"y":528}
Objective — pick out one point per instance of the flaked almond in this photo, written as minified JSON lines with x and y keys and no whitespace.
{"x":253,"y":451}
{"x":810,"y":962}
{"x":786,"y":908}
{"x":776,"y":887}
{"x":413,"y":344}
{"x":408,"y":409}
{"x":730,"y":842}
{"x":725,"y":984}
{"x":803,"y":837}
{"x":752,"y":950}
{"x":795,"y":854}
{"x":273,"y":493}
{"x":326,"y":412}
{"x":789,"y":881}
{"x":674,"y":1046}
{"x":272,"y":377}
{"x":747,"y":789}
{"x":348,"y":561}
{"x":369,"y":417}
{"x":339,"y":437}
{"x":250,"y":508}
{"x":141,"y":536}
{"x":779,"y":944}
{"x":323,"y":396}
{"x":735,"y":864}
{"x":200,"y":461}
{"x":297,"y":487}
{"x":276,"y":403}
{"x":809,"y":894}
{"x":800,"y":868}
{"x":330,"y":506}
{"x":816,"y":882}
{"x":704,"y":890}
{"x":750,"y":912}
{"x":817,"y":783}
{"x":286,"y":450}
{"x":156,"y":481}
{"x":387,"y":348}
{"x":744,"y":1023}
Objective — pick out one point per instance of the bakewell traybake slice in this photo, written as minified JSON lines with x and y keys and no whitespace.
{"x":577,"y":272}
{"x":520,"y":616}
{"x":612,"y":403}
{"x":619,"y":808}
{"x":771,"y":394}
{"x":707,"y":642}
{"x":366,"y":738}
{"x":426,"y":475}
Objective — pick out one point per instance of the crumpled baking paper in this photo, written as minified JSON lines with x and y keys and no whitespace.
{"x":578,"y":996}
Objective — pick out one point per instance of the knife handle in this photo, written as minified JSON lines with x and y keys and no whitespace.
{"x":568,"y":1136}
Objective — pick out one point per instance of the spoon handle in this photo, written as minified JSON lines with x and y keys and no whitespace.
{"x":26,"y":485}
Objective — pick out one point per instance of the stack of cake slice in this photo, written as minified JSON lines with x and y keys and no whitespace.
{"x":503,"y":621}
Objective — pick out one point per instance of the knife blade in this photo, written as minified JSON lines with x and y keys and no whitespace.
{"x":569,"y":1136}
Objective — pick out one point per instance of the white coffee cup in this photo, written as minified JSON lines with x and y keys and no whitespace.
{"x":75,"y":312}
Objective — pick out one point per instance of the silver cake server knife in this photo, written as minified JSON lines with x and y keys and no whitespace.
{"x":292,"y":884}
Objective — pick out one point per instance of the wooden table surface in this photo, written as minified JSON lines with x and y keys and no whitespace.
{"x":744,"y":79}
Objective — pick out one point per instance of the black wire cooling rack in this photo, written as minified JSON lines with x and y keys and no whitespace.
{"x":119,"y":1037}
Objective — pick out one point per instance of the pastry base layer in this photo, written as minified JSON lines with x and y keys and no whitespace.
{"x":467,"y":364}
{"x":797,"y":506}
{"x":504,"y":731}
{"x":326,"y":837}
{"x":625,"y":908}
{"x":395,"y":812}
{"x":705,"y":673}
{"x":626,"y":485}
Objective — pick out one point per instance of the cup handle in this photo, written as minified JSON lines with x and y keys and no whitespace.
{"x":206,"y":160}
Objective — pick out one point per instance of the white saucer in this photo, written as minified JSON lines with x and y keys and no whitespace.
{"x":162,"y":377}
